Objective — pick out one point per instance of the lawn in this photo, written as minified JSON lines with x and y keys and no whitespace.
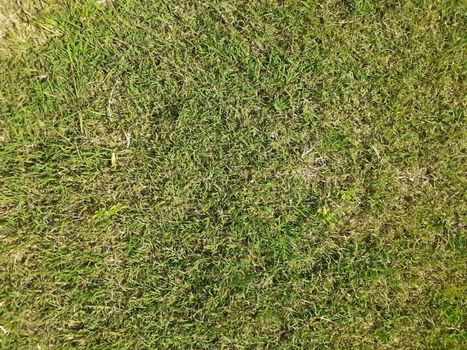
{"x":232,"y":174}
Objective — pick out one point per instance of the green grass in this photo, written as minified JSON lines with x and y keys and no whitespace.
{"x":233,"y":175}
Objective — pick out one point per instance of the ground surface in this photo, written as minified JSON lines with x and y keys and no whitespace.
{"x":233,"y":174}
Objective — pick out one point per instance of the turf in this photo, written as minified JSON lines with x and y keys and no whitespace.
{"x":233,"y":174}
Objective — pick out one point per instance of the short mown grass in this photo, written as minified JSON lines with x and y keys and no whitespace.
{"x":233,"y":174}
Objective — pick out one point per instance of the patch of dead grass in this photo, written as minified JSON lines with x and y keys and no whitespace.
{"x":18,"y":25}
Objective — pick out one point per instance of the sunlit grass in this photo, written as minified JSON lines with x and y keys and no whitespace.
{"x":233,"y":174}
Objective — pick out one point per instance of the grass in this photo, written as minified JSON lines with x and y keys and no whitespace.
{"x":233,"y":175}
